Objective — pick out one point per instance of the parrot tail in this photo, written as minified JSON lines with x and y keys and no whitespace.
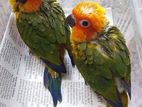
{"x":52,"y":81}
{"x":114,"y":104}
{"x":122,"y":101}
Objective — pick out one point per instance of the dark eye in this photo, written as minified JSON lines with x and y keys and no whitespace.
{"x":84,"y":23}
{"x":21,"y":1}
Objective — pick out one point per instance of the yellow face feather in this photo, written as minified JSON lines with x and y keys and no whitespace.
{"x":27,"y":7}
{"x":13,"y":5}
{"x":12,"y":2}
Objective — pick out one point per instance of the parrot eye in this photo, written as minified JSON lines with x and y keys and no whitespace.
{"x":84,"y":23}
{"x":21,"y":1}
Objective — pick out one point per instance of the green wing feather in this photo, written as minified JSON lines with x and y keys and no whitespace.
{"x":45,"y":30}
{"x":102,"y":60}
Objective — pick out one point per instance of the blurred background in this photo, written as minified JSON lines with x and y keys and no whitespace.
{"x":127,"y":15}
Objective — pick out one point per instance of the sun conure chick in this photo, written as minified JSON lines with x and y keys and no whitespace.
{"x":100,"y":53}
{"x":41,"y":24}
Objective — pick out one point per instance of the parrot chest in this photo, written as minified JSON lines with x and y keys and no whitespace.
{"x":83,"y":52}
{"x":90,"y":53}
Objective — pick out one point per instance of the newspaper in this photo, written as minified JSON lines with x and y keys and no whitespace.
{"x":21,"y":76}
{"x":4,"y":16}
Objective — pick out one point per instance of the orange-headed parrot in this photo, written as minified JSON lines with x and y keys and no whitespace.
{"x":100,"y":53}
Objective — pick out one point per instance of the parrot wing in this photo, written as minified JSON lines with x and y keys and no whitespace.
{"x":104,"y":60}
{"x":121,"y":60}
{"x":45,"y":32}
{"x":121,"y":65}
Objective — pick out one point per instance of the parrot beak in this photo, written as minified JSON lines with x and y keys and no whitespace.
{"x":70,"y":21}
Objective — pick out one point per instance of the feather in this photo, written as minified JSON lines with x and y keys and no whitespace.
{"x":71,"y":56}
{"x":115,"y":102}
{"x":53,"y":83}
{"x":57,"y":68}
{"x":124,"y":99}
{"x":123,"y":86}
{"x":127,"y":87}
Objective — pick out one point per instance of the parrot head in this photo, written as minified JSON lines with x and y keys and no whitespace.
{"x":87,"y":21}
{"x":26,"y":6}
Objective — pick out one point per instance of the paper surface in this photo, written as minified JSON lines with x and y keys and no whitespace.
{"x":21,"y":78}
{"x":4,"y":16}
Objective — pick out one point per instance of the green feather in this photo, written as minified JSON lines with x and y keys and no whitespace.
{"x":44,"y":31}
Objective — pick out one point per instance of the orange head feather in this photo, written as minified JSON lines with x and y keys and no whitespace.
{"x":26,"y":6}
{"x":89,"y":19}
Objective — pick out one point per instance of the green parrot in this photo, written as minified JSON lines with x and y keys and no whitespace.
{"x":41,"y":24}
{"x":100,"y":53}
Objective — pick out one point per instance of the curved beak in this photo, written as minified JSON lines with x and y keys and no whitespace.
{"x":70,"y":21}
